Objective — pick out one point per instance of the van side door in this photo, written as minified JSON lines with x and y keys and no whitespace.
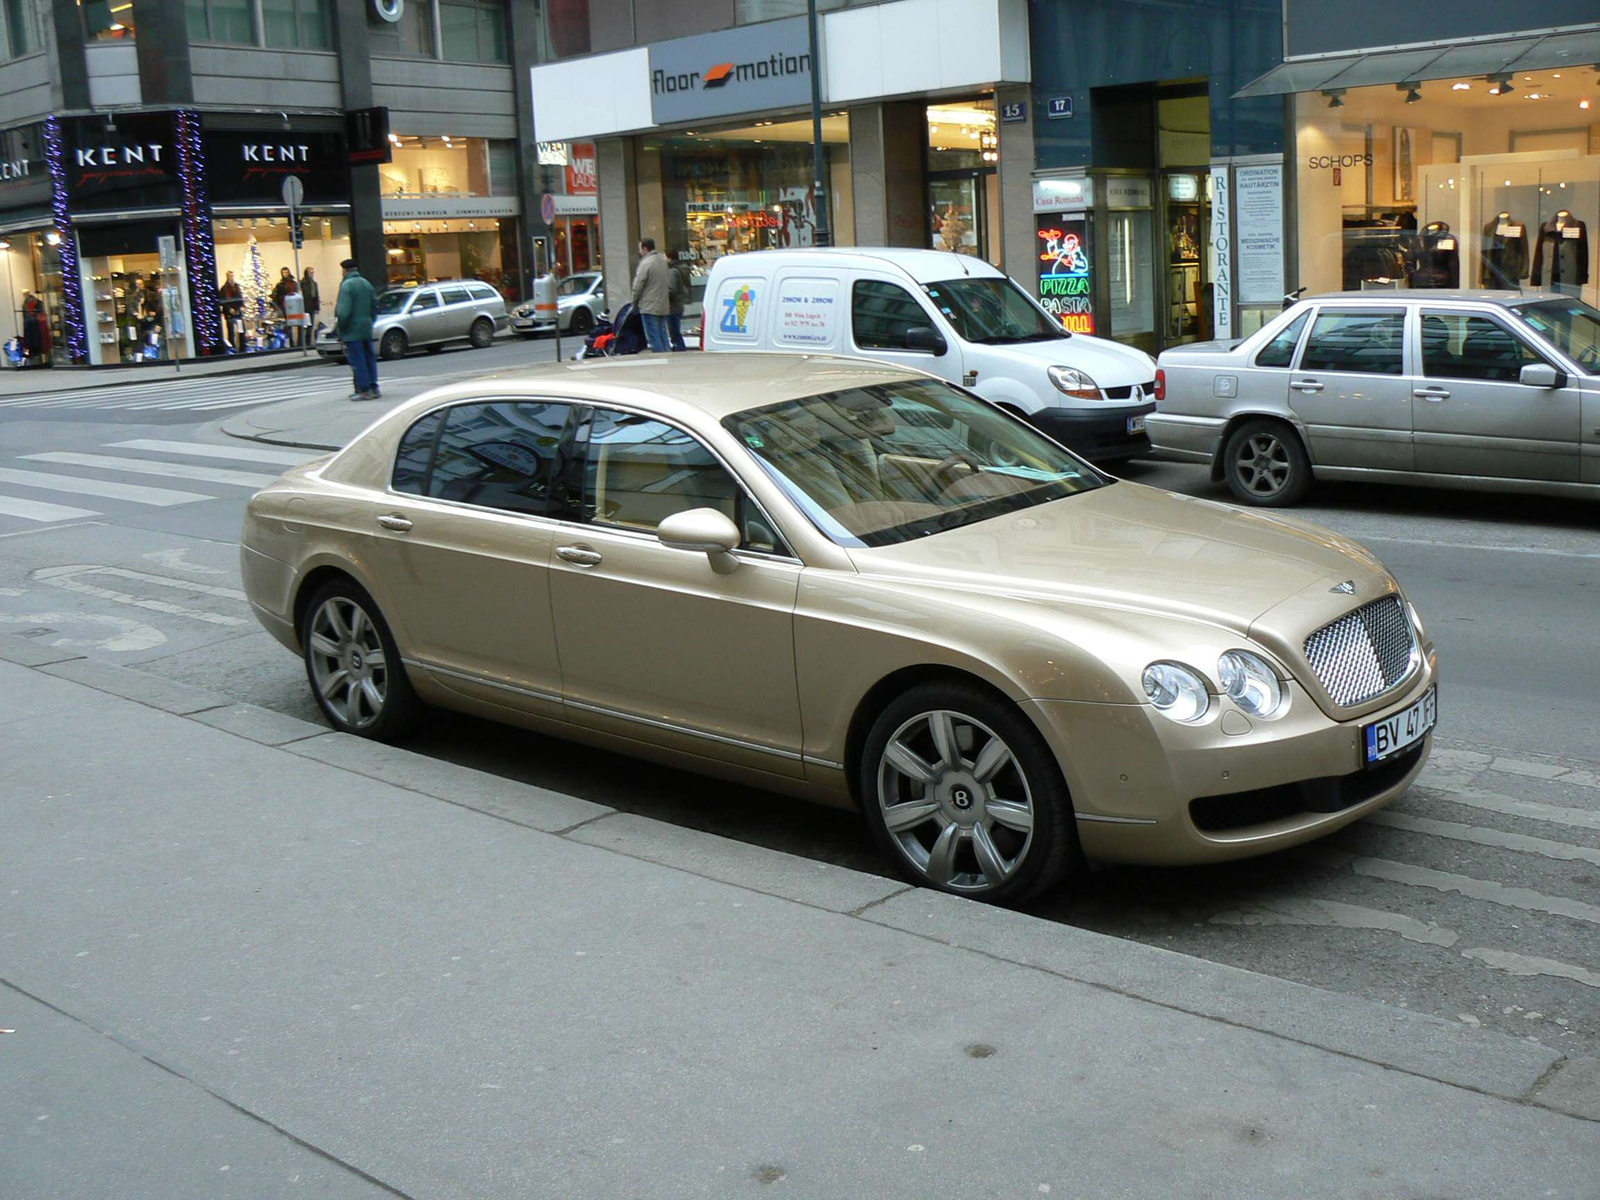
{"x":890,"y":323}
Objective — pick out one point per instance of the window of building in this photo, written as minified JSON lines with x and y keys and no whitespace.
{"x":1461,"y":346}
{"x":1279,"y":352}
{"x":416,"y":30}
{"x":473,"y":31}
{"x":297,"y":24}
{"x":498,"y":455}
{"x":19,"y":35}
{"x":449,"y":166}
{"x":1367,"y":343}
{"x":106,"y":20}
{"x":230,"y":21}
{"x":880,"y":314}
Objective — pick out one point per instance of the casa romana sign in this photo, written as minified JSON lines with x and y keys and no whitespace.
{"x":747,"y":69}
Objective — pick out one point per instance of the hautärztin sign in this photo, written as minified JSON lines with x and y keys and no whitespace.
{"x":750,"y":68}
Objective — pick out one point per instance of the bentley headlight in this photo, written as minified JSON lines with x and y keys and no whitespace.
{"x":1074,"y":383}
{"x":1177,"y":691}
{"x":1251,"y":683}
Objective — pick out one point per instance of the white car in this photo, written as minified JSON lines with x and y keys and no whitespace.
{"x":951,"y":315}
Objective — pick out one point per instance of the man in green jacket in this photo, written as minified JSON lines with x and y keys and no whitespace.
{"x":353,"y":312}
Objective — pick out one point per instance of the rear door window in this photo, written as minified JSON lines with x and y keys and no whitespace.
{"x":455,"y":295}
{"x":1279,"y":352}
{"x":499,"y":455}
{"x":1369,"y":342}
{"x":415,"y":454}
{"x":482,"y":291}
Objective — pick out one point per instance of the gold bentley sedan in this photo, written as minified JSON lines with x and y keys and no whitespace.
{"x":859,"y":584}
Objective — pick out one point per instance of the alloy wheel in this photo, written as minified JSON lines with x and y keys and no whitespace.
{"x":954,"y":799}
{"x":1262,"y":465}
{"x":348,"y":666}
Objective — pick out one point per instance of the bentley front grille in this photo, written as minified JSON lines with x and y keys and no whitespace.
{"x":1364,"y":653}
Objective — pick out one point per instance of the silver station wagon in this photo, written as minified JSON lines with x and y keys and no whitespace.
{"x":1486,"y":390}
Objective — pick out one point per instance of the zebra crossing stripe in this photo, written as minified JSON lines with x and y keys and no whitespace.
{"x":287,"y":458}
{"x":105,"y":488}
{"x":140,"y":466}
{"x":38,"y":510}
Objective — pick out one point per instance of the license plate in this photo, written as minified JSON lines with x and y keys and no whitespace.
{"x":1135,"y":424}
{"x":1403,"y":730}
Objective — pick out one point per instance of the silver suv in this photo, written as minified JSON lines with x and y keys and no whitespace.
{"x":452,"y":310}
{"x":1450,"y":388}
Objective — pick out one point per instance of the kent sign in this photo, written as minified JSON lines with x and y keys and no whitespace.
{"x":749,"y":68}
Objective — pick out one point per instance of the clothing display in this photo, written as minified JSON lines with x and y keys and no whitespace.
{"x":1503,"y":262}
{"x":1565,"y":240}
{"x":1434,"y":260}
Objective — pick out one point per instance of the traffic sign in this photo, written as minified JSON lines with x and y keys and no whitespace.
{"x":293,"y":191}
{"x":547,"y":208}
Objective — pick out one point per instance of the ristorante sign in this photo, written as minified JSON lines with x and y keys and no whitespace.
{"x":128,"y":162}
{"x":248,"y":166}
{"x":751,"y":68}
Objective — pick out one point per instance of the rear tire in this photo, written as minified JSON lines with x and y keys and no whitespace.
{"x":963,"y":793}
{"x":353,"y":664}
{"x":393,"y":345}
{"x":482,"y":334}
{"x":1266,"y":465}
{"x":582,"y":321}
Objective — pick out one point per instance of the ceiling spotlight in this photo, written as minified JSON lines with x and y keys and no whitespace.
{"x":1335,"y":97}
{"x":1583,"y":104}
{"x":1410,"y":89}
{"x":1461,"y":87}
{"x":1502,"y":85}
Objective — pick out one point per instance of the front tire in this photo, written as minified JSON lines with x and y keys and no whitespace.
{"x":353,"y":664}
{"x":482,"y":334}
{"x":961,"y":790}
{"x":582,"y":321}
{"x":1265,"y":465}
{"x":393,"y":345}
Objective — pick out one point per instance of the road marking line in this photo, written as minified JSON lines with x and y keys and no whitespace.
{"x":48,"y":574}
{"x":1475,"y":889}
{"x":39,"y":510}
{"x":1527,"y":964}
{"x":108,"y":489}
{"x":178,"y":560}
{"x":243,"y":453}
{"x":1334,"y":914}
{"x":1576,"y":818}
{"x":1543,"y":550}
{"x":1486,"y":837}
{"x":140,"y":466}
{"x":130,"y":635}
{"x":72,"y":584}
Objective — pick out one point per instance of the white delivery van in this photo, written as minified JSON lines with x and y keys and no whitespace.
{"x":951,"y":315}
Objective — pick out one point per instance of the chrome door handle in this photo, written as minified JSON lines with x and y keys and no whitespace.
{"x":1306,"y":385}
{"x":1430,"y":393}
{"x":395,"y":522}
{"x":580,"y":555}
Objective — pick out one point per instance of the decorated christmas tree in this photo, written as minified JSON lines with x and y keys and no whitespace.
{"x":253,"y":283}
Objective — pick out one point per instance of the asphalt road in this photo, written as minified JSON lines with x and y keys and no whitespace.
{"x":1476,"y":897}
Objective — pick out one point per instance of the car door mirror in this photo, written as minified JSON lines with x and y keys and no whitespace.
{"x":1542,"y":375}
{"x":921,"y":337}
{"x":705,"y":530}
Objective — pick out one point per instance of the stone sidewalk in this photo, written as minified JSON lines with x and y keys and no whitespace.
{"x":245,"y":956}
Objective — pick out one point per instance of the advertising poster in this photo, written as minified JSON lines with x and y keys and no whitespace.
{"x":1066,"y":287}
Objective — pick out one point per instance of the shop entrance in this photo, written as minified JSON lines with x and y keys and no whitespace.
{"x":135,"y":309}
{"x":963,"y":181}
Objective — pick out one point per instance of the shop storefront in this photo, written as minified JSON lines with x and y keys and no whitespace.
{"x":569,"y":179}
{"x":30,"y":319}
{"x":450,"y":211}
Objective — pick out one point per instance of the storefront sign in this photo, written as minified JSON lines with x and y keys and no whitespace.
{"x":573,"y":206}
{"x":1259,"y":193}
{"x":1066,"y":288}
{"x":1060,"y":108}
{"x":1183,"y":188}
{"x":396,"y":208}
{"x":24,"y":176}
{"x":1015,"y":113}
{"x":1221,"y":253}
{"x":1124,"y":191}
{"x":552,"y":154}
{"x":583,"y":170}
{"x":749,"y":68}
{"x":127,"y":162}
{"x":1062,"y":195}
{"x":249,"y":166}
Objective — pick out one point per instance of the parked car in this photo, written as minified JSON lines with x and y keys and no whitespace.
{"x":799,"y":574}
{"x":430,"y":315}
{"x":580,"y":304}
{"x":1449,"y":388}
{"x":952,"y":315}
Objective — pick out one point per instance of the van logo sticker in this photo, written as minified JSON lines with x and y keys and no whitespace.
{"x":736,"y":310}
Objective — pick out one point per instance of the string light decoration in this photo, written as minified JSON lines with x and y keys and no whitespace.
{"x":71,"y":280}
{"x":199,"y":246}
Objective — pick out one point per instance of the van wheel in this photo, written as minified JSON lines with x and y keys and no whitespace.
{"x":1265,"y":465}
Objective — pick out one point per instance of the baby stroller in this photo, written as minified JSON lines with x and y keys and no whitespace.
{"x":607,"y":339}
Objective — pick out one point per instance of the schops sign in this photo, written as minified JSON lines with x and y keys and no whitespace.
{"x":745,"y":69}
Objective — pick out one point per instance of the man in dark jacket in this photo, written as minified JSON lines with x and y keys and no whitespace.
{"x":678,"y":290}
{"x":353,"y":313}
{"x":313,"y":298}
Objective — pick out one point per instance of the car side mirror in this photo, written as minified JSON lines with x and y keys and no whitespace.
{"x":1542,"y":375}
{"x":705,"y":530}
{"x":921,"y":337}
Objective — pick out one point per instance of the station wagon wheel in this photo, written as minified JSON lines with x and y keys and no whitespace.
{"x":482,"y":334}
{"x":963,"y":792}
{"x":353,"y":665}
{"x":1265,"y":464}
{"x":393,"y":344}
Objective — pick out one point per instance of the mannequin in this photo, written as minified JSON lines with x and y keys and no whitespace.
{"x":1504,"y":260}
{"x":1566,"y":240}
{"x":1435,"y":262}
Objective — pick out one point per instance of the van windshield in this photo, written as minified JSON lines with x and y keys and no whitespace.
{"x":992,"y":311}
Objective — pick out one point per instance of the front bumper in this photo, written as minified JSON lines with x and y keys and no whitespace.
{"x":1097,"y":434}
{"x":1144,"y":786}
{"x":531,"y":324}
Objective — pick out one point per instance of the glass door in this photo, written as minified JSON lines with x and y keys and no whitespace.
{"x":1186,"y":225}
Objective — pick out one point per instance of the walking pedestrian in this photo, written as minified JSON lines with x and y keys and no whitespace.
{"x":230,"y":300}
{"x":651,"y":295}
{"x":677,"y":297}
{"x":313,"y":299}
{"x":353,"y":311}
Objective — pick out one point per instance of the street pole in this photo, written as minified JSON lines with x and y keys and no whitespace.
{"x":818,"y":167}
{"x":294,"y":193}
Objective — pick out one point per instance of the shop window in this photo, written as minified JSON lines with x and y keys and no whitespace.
{"x":640,"y":472}
{"x":439,"y":166}
{"x":881,"y":313}
{"x":106,"y":20}
{"x":230,"y":21}
{"x":21,"y":35}
{"x":416,"y":452}
{"x":1279,"y":352}
{"x":1365,"y":343}
{"x":297,"y":24}
{"x":498,"y":456}
{"x":1460,"y":346}
{"x":416,"y":30}
{"x":473,"y":30}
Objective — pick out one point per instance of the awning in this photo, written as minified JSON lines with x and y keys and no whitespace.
{"x":1575,"y":49}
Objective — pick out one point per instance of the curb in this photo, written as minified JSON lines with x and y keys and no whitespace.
{"x":1417,"y":1044}
{"x":95,"y":378}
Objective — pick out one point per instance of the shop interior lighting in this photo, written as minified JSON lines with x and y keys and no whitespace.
{"x":53,"y":237}
{"x":1410,"y":89}
{"x":1583,"y":104}
{"x":4,"y":245}
{"x":1462,"y":86}
{"x":1335,"y":97}
{"x":1501,"y":85}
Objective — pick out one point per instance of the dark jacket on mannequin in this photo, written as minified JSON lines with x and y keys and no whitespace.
{"x":1435,"y":262}
{"x":1568,"y":255}
{"x":1505,"y":256}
